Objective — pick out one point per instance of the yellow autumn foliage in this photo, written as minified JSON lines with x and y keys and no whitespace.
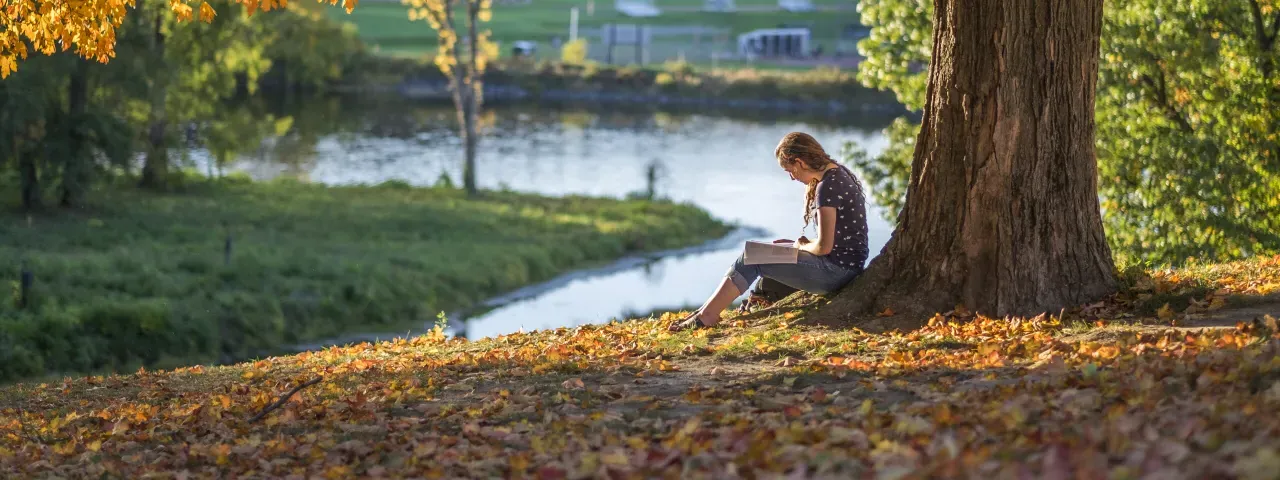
{"x":88,"y":27}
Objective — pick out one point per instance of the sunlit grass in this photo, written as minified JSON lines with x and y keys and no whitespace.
{"x":387,"y":25}
{"x":144,"y":278}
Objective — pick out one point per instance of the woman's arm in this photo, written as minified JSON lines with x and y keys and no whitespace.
{"x":826,"y":233}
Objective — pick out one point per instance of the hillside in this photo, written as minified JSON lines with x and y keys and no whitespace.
{"x":1176,"y":376}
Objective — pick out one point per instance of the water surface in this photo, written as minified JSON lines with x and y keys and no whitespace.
{"x":722,"y":164}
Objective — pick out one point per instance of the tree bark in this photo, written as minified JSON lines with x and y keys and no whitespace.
{"x":1002,"y":213}
{"x":28,"y":174}
{"x":76,"y":167}
{"x":472,"y":107}
{"x":155,"y":170}
{"x":469,"y":140}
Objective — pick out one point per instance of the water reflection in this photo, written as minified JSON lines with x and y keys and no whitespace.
{"x":722,"y":164}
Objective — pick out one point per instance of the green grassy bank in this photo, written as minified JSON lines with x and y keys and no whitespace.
{"x":142,"y":279}
{"x":386,"y":25}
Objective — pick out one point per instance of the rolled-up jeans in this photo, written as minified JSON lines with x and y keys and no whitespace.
{"x":811,"y":273}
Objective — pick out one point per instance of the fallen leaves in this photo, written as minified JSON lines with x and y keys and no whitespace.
{"x":574,"y":384}
{"x":963,"y":396}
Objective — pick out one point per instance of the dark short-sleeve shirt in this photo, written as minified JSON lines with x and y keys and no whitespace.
{"x":840,"y":190}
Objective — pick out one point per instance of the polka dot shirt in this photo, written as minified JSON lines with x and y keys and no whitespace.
{"x":839,"y":189}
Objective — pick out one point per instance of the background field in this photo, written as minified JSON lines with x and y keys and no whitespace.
{"x":385,"y":24}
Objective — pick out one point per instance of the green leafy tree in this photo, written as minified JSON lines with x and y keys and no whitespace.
{"x":54,"y":133}
{"x":27,"y":101}
{"x":898,"y":49}
{"x":1189,"y":128}
{"x":1186,"y":122}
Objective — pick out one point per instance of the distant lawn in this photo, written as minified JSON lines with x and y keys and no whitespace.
{"x":141,"y":278}
{"x":387,"y":26}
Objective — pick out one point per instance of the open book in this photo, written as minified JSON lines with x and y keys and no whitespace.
{"x":757,"y":253}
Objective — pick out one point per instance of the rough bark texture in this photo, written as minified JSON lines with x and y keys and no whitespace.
{"x":1002,"y":212}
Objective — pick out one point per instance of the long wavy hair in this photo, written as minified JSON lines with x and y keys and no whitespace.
{"x":800,"y":147}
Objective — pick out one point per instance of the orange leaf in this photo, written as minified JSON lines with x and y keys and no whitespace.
{"x":574,"y":384}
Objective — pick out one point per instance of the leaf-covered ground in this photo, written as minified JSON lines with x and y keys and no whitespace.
{"x":1108,"y":391}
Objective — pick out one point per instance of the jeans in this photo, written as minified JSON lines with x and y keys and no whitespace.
{"x":811,"y":273}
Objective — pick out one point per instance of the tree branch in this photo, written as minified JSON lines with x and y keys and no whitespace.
{"x":1162,"y":99}
{"x":1258,"y":23}
{"x":1260,"y":35}
{"x":439,"y":17}
{"x":284,"y":399}
{"x":1275,"y":27}
{"x":473,"y":10}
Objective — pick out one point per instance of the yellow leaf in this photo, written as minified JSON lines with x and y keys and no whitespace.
{"x":206,"y":12}
{"x":223,"y":453}
{"x":1165,"y":312}
{"x":574,"y":384}
{"x":1217,"y":302}
{"x":616,"y":458}
{"x":1107,"y":352}
{"x":867,"y":407}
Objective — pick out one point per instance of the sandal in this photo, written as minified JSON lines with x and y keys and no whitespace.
{"x":753,"y":303}
{"x":692,"y":322}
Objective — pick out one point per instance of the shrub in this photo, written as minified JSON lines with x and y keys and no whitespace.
{"x":574,"y":52}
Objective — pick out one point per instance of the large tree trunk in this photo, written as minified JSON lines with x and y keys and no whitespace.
{"x":1002,"y":212}
{"x":76,"y":167}
{"x":155,"y":170}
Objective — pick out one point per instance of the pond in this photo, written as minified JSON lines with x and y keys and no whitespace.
{"x":723,"y":164}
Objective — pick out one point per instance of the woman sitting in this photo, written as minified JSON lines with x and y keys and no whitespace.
{"x":834,"y":196}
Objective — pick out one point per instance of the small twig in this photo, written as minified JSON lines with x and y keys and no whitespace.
{"x":284,"y":399}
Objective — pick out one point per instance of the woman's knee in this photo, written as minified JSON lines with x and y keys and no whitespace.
{"x":742,"y":273}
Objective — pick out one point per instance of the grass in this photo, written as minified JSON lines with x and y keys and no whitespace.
{"x":141,"y":279}
{"x":1093,"y":394}
{"x":386,"y":24}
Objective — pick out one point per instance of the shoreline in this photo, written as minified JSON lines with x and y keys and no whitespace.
{"x":459,"y":318}
{"x":821,"y":90}
{"x":190,"y":303}
{"x":515,"y":93}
